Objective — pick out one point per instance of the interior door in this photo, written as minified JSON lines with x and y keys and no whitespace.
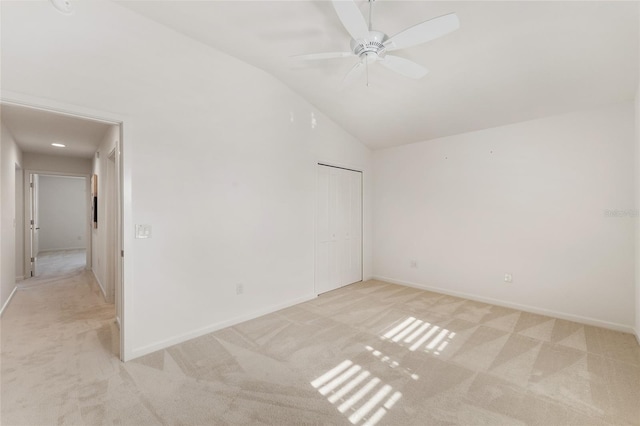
{"x":339,"y":228}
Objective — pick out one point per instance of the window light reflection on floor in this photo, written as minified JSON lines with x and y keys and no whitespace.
{"x":393,"y":364}
{"x":365,"y":399}
{"x":418,"y":334}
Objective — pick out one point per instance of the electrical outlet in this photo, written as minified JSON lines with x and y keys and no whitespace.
{"x":413,"y":263}
{"x":239,"y":289}
{"x":508,"y":278}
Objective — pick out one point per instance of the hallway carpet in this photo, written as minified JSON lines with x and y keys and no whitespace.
{"x":60,"y":262}
{"x":369,"y":353}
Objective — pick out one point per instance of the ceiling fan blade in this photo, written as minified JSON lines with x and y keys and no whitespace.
{"x":351,"y":18}
{"x":423,"y":32}
{"x":353,"y":74}
{"x":327,"y":55}
{"x":404,"y":66}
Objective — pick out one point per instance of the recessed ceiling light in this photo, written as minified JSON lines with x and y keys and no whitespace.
{"x":58,"y":145}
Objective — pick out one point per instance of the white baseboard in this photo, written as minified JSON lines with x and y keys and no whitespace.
{"x":540,"y":311}
{"x":144,"y":350}
{"x":61,"y":249}
{"x":104,"y":293}
{"x":8,"y":300}
{"x":20,"y":278}
{"x":637,"y":334}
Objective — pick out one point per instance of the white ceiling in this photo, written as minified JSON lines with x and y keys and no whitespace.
{"x":509,"y":61}
{"x":34,"y":130}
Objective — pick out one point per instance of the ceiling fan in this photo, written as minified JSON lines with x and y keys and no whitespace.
{"x":371,"y":46}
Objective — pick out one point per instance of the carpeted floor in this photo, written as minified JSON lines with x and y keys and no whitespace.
{"x":60,"y":262}
{"x":370,"y":353}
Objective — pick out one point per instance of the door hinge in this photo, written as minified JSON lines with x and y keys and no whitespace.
{"x":33,"y":259}
{"x":32,"y":221}
{"x":31,"y":184}
{"x":121,"y":253}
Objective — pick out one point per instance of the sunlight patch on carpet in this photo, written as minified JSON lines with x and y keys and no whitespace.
{"x":417,"y":334}
{"x":365,"y":399}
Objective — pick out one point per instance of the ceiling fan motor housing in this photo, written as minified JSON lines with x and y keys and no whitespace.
{"x":370,"y":47}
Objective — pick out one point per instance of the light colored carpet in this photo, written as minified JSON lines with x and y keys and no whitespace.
{"x":368,"y":353}
{"x":60,"y":262}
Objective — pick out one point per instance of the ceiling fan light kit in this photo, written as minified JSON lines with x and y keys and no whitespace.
{"x":63,"y":6}
{"x":371,"y":46}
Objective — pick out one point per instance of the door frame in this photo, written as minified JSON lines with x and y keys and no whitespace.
{"x":124,"y":195}
{"x":315,"y":215}
{"x":114,"y":227}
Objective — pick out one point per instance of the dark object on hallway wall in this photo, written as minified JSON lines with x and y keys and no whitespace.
{"x":95,"y":211}
{"x":94,"y":200}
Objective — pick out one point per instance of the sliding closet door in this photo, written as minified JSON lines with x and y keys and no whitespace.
{"x":339,"y":228}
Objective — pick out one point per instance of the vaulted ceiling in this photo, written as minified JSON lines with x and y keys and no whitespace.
{"x":508,"y":62}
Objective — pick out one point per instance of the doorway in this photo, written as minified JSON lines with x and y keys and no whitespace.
{"x":59,"y":241}
{"x":339,"y":228}
{"x":84,"y":134}
{"x":36,"y":116}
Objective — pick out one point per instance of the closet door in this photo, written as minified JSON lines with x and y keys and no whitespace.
{"x":339,"y":228}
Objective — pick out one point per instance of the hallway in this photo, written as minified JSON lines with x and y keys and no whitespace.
{"x":58,"y":335}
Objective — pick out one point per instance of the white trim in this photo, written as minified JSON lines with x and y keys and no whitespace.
{"x":62,"y":249}
{"x":8,"y":300}
{"x":104,"y":294}
{"x":359,"y":167}
{"x":20,"y":278}
{"x":118,"y":321}
{"x":540,"y":311}
{"x":637,"y":334}
{"x":22,"y":99}
{"x":153,"y":347}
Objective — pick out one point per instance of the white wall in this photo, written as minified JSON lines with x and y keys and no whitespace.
{"x":19,"y":251}
{"x":222,"y":161}
{"x":637,"y":257}
{"x":99,"y":239}
{"x":527,"y":199}
{"x":57,"y":164}
{"x":10,"y":155}
{"x":62,"y":208}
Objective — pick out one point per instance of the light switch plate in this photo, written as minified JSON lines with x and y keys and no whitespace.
{"x":143,"y":231}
